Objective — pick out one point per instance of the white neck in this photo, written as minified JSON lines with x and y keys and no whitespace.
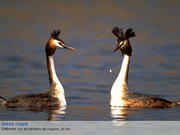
{"x":56,"y":89}
{"x":120,"y":85}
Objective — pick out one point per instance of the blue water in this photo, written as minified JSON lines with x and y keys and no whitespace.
{"x":86,"y":25}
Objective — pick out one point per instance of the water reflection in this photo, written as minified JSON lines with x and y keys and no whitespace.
{"x":86,"y":25}
{"x":17,"y":113}
{"x":119,"y":115}
{"x":55,"y":115}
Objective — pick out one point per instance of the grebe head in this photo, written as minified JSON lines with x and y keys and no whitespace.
{"x":123,"y":40}
{"x":125,"y":48}
{"x":55,"y":42}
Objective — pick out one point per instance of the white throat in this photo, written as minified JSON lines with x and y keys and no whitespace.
{"x":120,"y":85}
{"x":56,"y":89}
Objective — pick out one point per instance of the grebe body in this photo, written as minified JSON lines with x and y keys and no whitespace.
{"x":121,"y":96}
{"x":55,"y":96}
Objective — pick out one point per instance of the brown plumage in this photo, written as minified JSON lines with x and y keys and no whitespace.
{"x":120,"y":94}
{"x":55,"y":96}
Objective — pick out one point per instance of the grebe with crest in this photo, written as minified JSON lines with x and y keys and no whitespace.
{"x":55,"y":96}
{"x":121,"y":96}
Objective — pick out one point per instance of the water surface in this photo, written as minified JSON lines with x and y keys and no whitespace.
{"x":86,"y":25}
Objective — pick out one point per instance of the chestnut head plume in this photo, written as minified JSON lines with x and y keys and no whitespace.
{"x":123,"y":40}
{"x":55,"y":42}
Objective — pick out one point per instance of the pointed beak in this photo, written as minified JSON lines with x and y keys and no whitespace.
{"x":68,"y":47}
{"x":118,"y":46}
{"x":59,"y":44}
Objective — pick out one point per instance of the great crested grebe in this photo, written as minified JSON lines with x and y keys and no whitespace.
{"x":55,"y":96}
{"x":121,"y":96}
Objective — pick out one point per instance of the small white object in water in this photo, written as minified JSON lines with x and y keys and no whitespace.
{"x":110,"y":71}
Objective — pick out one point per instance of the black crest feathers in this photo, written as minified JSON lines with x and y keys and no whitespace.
{"x":55,"y":34}
{"x":118,"y":33}
{"x":129,"y":33}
